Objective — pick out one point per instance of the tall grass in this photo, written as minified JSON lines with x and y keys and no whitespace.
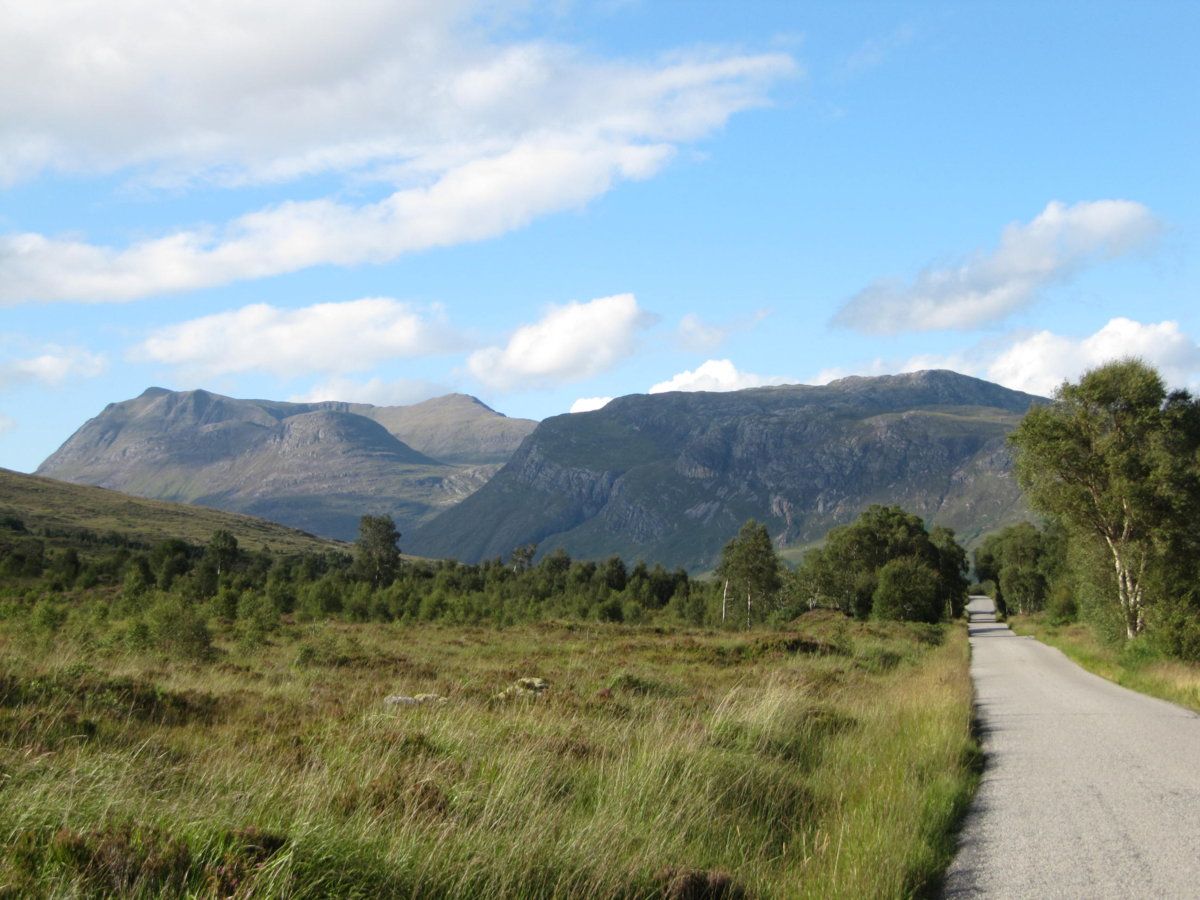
{"x":827,"y":760}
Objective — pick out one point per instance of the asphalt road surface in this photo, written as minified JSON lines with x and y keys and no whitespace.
{"x":1089,"y":789}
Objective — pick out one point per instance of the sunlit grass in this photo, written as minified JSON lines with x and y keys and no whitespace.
{"x":832,"y":759}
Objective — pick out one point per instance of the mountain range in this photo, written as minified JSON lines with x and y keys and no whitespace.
{"x":665,"y":477}
{"x":314,"y":466}
{"x":670,"y":477}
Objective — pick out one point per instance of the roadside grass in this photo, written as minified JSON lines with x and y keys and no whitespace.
{"x":830,"y":759}
{"x":1133,"y":665}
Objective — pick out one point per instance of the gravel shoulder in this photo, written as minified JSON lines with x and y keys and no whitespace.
{"x":1088,"y":789}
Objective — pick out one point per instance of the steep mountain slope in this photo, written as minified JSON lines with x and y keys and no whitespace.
{"x":44,"y":503}
{"x":670,"y":477}
{"x":316,"y":466}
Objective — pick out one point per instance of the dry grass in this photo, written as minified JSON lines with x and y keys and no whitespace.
{"x":831,"y":760}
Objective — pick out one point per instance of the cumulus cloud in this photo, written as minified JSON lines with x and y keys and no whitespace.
{"x":588,"y":404}
{"x":376,"y":391}
{"x":472,"y":134}
{"x":1039,"y":362}
{"x":53,"y":367}
{"x":716,"y":375}
{"x":325,"y":337}
{"x":569,"y":343}
{"x":1056,"y":244}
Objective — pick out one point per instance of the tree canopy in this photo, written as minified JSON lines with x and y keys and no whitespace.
{"x":750,"y":565}
{"x":1115,"y":458}
{"x":845,"y":572}
{"x":377,"y":550}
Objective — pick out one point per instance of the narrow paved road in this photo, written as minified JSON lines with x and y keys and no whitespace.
{"x":1089,"y":790}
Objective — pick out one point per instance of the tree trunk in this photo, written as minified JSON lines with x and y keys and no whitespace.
{"x":747,"y":610}
{"x":1129,"y":592}
{"x":724,"y":601}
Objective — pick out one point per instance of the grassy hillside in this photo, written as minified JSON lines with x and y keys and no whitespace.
{"x":43,"y":503}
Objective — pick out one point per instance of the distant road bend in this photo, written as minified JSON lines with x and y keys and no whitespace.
{"x":1089,"y":789}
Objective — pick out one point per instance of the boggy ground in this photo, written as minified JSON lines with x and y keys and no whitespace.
{"x":828,"y":759}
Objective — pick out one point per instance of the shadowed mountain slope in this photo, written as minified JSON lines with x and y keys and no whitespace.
{"x":315,"y":466}
{"x":671,"y":477}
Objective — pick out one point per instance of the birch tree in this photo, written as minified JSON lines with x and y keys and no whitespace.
{"x":1114,"y":457}
{"x":750,"y":564}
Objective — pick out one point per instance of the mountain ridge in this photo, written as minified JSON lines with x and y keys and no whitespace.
{"x":316,"y":466}
{"x":671,"y":476}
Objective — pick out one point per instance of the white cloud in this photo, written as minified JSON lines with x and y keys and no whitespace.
{"x":569,"y":343}
{"x":588,"y":404}
{"x":6,"y":424}
{"x":701,"y":337}
{"x":376,"y":391}
{"x":473,"y":135}
{"x":1039,"y":362}
{"x":326,"y":337}
{"x":985,"y":288}
{"x":716,"y":375}
{"x":54,"y":366}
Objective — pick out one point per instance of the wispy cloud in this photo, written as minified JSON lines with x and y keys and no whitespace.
{"x":987,"y":287}
{"x":377,"y":391}
{"x":874,"y":52}
{"x":473,"y":135}
{"x":325,"y":337}
{"x":569,"y":343}
{"x":699,"y":336}
{"x":52,"y":366}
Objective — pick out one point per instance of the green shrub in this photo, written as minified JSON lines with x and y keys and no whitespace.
{"x":176,"y":627}
{"x":1175,"y":628}
{"x":908,"y":591}
{"x":49,"y":616}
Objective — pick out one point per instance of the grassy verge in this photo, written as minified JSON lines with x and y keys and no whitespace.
{"x":832,"y":759}
{"x":1132,"y":665}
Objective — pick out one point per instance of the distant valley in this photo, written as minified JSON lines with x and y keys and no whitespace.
{"x":665,"y":477}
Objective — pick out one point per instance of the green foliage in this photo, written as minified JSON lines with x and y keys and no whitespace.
{"x":377,"y":550}
{"x":176,"y":627}
{"x":1115,"y":458}
{"x":752,"y":568}
{"x":907,"y":590}
{"x":844,"y":573}
{"x":1023,"y":564}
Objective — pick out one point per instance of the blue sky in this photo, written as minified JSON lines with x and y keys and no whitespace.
{"x":548,"y":203}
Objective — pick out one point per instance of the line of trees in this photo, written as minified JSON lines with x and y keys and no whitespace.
{"x":1114,"y":465}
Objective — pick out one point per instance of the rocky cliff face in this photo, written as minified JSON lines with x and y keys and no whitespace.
{"x":316,"y":466}
{"x":670,"y":477}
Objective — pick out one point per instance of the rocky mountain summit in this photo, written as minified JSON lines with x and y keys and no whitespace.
{"x":315,"y":466}
{"x":670,"y":477}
